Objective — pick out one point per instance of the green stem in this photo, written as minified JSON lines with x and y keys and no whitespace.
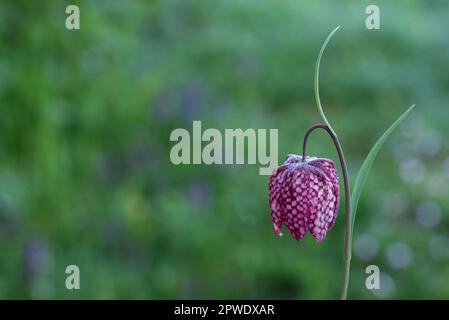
{"x":344,"y":169}
{"x":316,"y":86}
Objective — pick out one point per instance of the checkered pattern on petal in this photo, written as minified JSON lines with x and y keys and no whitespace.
{"x":328,"y":167}
{"x":304,"y":196}
{"x":296,"y":218}
{"x":275,"y":192}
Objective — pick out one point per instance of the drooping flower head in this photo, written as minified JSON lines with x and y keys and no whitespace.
{"x":304,"y":195}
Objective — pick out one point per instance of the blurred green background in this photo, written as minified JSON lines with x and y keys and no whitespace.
{"x":85,"y":119}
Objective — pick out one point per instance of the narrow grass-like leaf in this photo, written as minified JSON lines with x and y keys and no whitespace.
{"x":366,"y":166}
{"x":317,"y":74}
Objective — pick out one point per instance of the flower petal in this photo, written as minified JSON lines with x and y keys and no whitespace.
{"x":321,"y":215}
{"x":275,"y":191}
{"x":328,"y":167}
{"x":296,"y":208}
{"x":304,"y":196}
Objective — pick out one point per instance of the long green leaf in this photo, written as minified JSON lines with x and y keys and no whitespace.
{"x":366,"y":166}
{"x":317,"y":75}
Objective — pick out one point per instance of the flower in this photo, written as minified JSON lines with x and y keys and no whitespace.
{"x":304,"y":195}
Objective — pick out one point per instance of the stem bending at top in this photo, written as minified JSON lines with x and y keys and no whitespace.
{"x":350,"y":201}
{"x":333,"y":135}
{"x":344,"y":169}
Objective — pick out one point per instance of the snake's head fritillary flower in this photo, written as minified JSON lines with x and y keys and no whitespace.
{"x":304,"y":195}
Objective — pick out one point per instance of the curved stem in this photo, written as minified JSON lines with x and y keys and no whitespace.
{"x":347,"y":245}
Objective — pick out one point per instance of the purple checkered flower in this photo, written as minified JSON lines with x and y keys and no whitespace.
{"x":304,"y":195}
